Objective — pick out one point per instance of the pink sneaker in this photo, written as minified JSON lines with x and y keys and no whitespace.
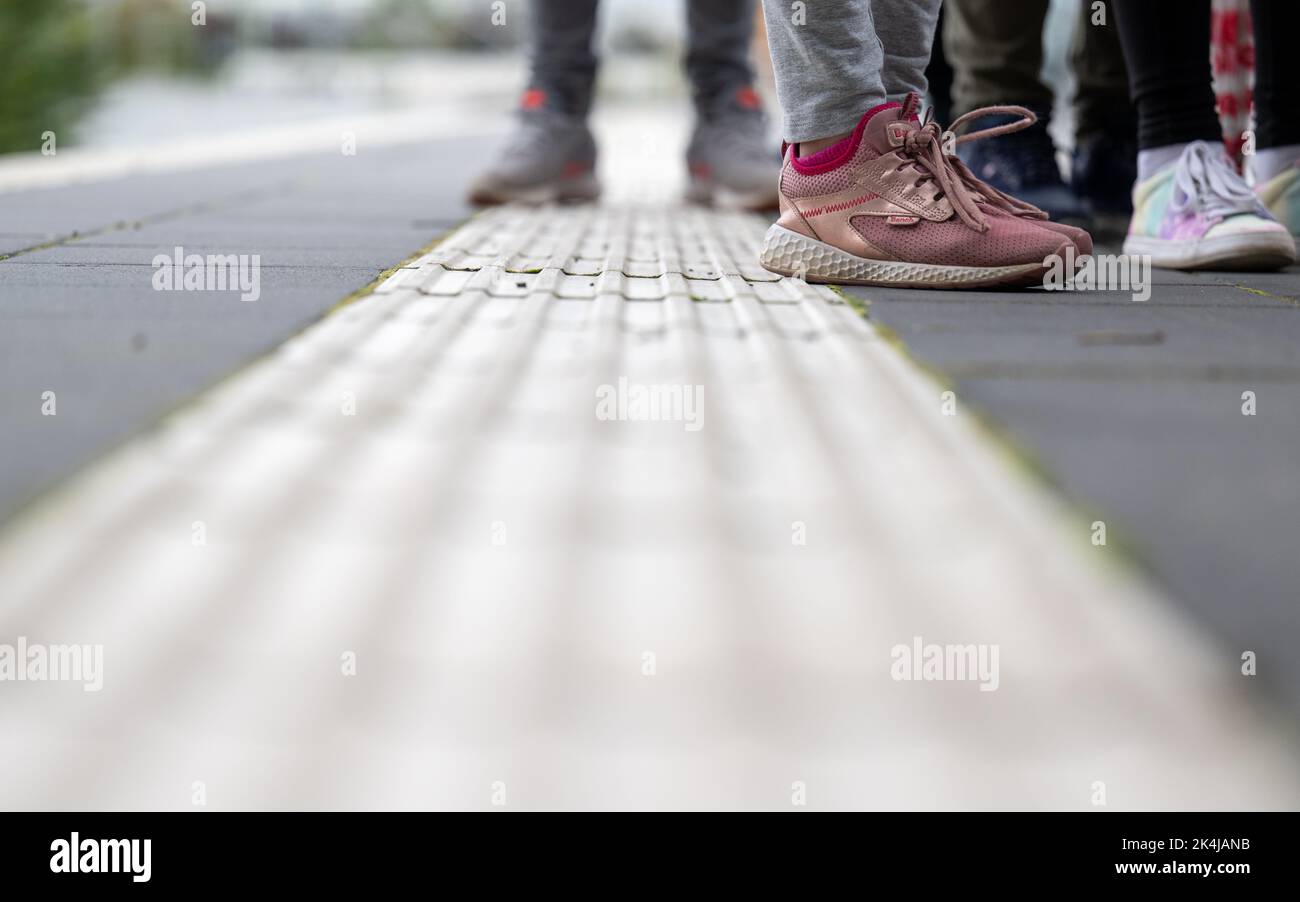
{"x":886,"y":207}
{"x":988,"y":195}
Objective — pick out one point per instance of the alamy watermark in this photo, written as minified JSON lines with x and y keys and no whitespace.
{"x":1099,"y":272}
{"x":671,"y":402}
{"x":33,"y":662}
{"x":215,"y":272}
{"x":921,"y":661}
{"x":75,"y":855}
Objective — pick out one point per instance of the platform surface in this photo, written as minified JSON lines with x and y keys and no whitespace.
{"x":432,"y":551}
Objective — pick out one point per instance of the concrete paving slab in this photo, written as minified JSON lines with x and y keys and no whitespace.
{"x":1209,"y":291}
{"x":1108,"y":342}
{"x":327,"y":188}
{"x":70,"y":312}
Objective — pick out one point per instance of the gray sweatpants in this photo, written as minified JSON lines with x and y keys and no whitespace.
{"x":564,"y":61}
{"x":836,"y":60}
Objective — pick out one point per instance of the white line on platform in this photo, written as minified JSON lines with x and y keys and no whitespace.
{"x":32,"y":171}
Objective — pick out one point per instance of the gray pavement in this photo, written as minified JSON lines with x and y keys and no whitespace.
{"x":1135,"y":411}
{"x":78,"y":315}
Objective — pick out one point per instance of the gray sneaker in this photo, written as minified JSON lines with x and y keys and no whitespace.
{"x":732,"y":161}
{"x":549,"y":157}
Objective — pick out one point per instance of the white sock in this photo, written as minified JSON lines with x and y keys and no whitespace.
{"x":1269,"y":162}
{"x":1154,"y":159}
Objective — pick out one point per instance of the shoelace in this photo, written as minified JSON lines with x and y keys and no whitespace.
{"x":925,"y":147}
{"x":1013,"y":205}
{"x":1204,"y":181}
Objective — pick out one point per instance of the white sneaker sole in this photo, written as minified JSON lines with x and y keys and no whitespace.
{"x":1246,"y":250}
{"x":562,"y":191}
{"x":788,"y":253}
{"x":720,"y":197}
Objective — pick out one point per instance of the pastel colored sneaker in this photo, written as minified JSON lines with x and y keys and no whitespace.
{"x":886,"y":207}
{"x":988,"y":194}
{"x":1281,"y":194}
{"x":1198,"y":213}
{"x":549,"y":157}
{"x":732,"y":160}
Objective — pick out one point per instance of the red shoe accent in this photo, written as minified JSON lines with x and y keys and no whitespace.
{"x":575,"y":168}
{"x":748,"y":98}
{"x":533,"y":99}
{"x":701,"y":170}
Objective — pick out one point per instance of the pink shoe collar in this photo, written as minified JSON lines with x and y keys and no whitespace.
{"x":837,"y":154}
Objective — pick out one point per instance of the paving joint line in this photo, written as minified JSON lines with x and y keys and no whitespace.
{"x":126,"y":225}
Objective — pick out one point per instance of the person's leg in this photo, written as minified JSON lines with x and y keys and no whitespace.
{"x":939,"y":74}
{"x":996,"y":51}
{"x":731,"y":159}
{"x":885,"y":205}
{"x":717,"y":51}
{"x":827,"y":60}
{"x":1277,"y":84}
{"x":906,"y":31}
{"x":1277,"y":73}
{"x":1276,"y":164}
{"x":1166,"y":48}
{"x":1104,"y":162}
{"x":1191,"y":208}
{"x":1101,"y":101}
{"x":550,"y":155}
{"x":562,"y":57}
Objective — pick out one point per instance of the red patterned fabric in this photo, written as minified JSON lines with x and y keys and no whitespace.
{"x":1232,"y":58}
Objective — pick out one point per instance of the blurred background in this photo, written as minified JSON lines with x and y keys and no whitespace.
{"x":122,"y":73}
{"x":110,"y":73}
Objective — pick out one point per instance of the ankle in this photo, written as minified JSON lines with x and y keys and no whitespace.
{"x":808,"y":148}
{"x":1155,"y":159}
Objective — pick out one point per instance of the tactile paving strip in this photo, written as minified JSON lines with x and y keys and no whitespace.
{"x":553,"y":603}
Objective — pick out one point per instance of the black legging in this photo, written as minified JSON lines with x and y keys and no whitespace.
{"x":1167,"y":49}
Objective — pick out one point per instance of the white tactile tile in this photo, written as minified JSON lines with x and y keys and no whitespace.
{"x":421,"y":478}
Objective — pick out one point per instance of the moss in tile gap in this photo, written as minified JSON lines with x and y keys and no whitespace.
{"x":369,"y":288}
{"x":1127,"y":551}
{"x":1260,"y":292}
{"x":857,"y":303}
{"x":66,"y":239}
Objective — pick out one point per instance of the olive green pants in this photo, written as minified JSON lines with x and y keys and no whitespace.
{"x":995,"y":48}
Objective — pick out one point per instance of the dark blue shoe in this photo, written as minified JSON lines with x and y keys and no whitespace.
{"x":1103,"y":171}
{"x":1023,"y":164}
